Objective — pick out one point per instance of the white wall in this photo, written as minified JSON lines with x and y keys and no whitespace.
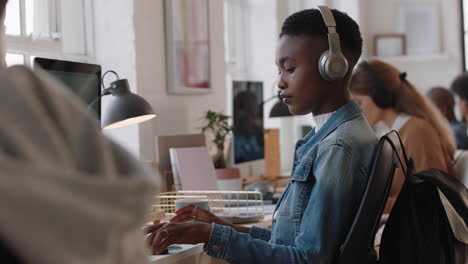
{"x":381,"y":16}
{"x":115,"y":50}
{"x":130,"y":40}
{"x":177,"y":114}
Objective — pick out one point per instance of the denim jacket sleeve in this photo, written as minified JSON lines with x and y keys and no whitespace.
{"x":339,"y":182}
{"x":260,"y":233}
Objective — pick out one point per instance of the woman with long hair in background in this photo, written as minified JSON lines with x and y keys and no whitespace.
{"x":391,"y":102}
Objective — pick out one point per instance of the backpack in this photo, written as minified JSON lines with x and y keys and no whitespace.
{"x":428,"y":222}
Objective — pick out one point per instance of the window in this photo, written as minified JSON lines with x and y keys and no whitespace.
{"x":47,"y":28}
{"x":235,"y":36}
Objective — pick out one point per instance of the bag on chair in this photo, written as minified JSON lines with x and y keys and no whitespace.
{"x":428,"y":223}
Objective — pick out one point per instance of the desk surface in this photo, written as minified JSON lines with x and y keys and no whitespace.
{"x":175,"y":256}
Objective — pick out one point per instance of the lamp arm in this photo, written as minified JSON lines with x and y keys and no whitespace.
{"x":104,"y":92}
{"x":104,"y":75}
{"x":275,"y":83}
{"x":269,"y":99}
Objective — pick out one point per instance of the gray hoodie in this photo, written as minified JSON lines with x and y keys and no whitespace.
{"x":67,"y":193}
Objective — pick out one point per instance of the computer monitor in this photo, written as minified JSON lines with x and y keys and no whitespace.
{"x":83,"y":79}
{"x":248,"y":121}
{"x":164,"y":143}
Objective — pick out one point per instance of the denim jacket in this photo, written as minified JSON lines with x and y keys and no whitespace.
{"x":315,"y":212}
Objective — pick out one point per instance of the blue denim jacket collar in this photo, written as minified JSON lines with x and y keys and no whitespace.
{"x":343,"y":114}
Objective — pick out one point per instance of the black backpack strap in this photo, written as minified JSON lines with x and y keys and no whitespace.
{"x":408,"y":166}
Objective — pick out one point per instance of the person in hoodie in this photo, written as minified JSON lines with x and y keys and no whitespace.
{"x":68,"y":194}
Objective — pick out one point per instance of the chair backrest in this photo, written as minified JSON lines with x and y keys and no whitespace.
{"x":460,"y":164}
{"x":359,"y":243}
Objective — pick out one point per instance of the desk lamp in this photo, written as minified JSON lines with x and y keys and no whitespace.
{"x":279,"y":109}
{"x":125,"y":107}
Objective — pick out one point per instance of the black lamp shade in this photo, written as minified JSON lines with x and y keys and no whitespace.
{"x":125,"y":108}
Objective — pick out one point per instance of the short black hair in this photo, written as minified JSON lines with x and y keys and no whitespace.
{"x":460,"y":86}
{"x":309,"y":22}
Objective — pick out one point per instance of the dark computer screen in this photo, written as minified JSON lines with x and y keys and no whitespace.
{"x":248,"y":121}
{"x":83,"y":79}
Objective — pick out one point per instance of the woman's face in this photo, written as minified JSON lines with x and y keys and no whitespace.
{"x":371,"y":111}
{"x":302,"y":87}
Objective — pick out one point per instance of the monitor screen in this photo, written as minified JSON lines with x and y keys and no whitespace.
{"x":248,"y":121}
{"x":82,"y":79}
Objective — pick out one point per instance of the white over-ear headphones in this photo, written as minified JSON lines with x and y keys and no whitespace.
{"x":332,"y":63}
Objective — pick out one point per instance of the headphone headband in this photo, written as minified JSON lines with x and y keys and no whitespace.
{"x":328,"y":18}
{"x":332,"y":63}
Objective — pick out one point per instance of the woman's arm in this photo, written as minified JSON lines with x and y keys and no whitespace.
{"x":339,"y":182}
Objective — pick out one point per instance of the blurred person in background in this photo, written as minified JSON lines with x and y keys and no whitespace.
{"x":460,"y":87}
{"x":391,"y":102}
{"x":445,"y":101}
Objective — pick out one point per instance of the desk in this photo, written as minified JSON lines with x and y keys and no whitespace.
{"x":190,"y":254}
{"x":194,"y":254}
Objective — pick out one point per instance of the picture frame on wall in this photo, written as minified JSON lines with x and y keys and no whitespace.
{"x":420,"y":22}
{"x":389,"y":45}
{"x":187,"y":46}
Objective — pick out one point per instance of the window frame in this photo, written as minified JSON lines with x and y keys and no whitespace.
{"x":53,"y":47}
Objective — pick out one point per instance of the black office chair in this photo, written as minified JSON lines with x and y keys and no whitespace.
{"x":358,"y":246}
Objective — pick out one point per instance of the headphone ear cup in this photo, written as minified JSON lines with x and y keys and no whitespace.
{"x":322,"y":65}
{"x":332,"y":66}
{"x":337,"y":66}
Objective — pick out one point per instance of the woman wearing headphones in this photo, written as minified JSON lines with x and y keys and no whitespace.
{"x":391,"y":102}
{"x":329,"y":176}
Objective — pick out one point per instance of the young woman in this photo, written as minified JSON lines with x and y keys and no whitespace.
{"x":331,"y":164}
{"x":389,"y":100}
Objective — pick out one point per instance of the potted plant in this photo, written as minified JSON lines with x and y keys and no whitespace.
{"x":217,"y":124}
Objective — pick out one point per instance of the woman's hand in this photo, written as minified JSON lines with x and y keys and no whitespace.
{"x":163,"y":235}
{"x":191,"y":212}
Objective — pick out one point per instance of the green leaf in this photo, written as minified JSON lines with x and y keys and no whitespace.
{"x":217,"y":122}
